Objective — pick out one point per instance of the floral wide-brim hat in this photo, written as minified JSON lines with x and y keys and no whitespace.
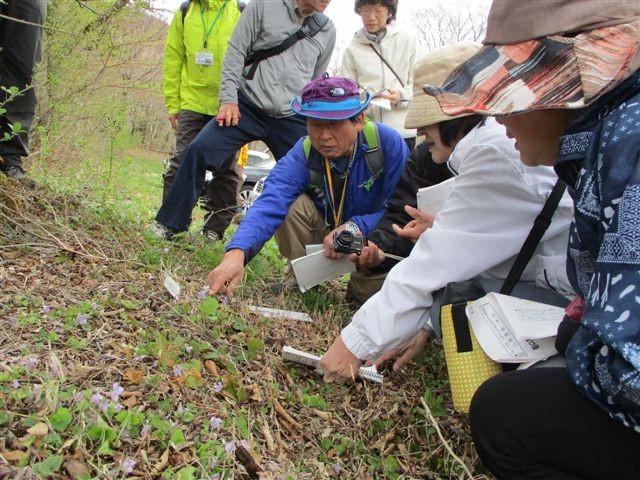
{"x":556,"y":71}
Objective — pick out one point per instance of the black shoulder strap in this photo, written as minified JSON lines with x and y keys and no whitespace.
{"x":309,"y":29}
{"x":387,"y":64}
{"x":184,"y":8}
{"x":540,"y":226}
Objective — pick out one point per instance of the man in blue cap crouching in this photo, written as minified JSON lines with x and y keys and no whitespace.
{"x":338,"y":178}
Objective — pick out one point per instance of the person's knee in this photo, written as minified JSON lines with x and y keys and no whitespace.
{"x":302,"y":209}
{"x":485,"y":412}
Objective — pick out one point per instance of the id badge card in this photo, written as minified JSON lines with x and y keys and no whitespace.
{"x":204,"y":58}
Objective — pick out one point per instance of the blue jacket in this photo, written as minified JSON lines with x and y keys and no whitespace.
{"x":288,"y":180}
{"x":599,"y":159}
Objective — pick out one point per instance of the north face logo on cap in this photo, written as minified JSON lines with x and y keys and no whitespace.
{"x":337,"y":92}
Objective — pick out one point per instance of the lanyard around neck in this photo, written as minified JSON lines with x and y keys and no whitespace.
{"x":206,"y":33}
{"x":337,"y":215}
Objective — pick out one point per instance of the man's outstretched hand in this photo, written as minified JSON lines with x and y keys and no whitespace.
{"x":227,"y":276}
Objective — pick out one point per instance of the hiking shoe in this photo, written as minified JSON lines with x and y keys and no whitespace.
{"x":18,"y":174}
{"x":161,"y":231}
{"x":211,"y":236}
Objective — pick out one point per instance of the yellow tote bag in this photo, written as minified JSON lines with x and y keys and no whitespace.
{"x":467,"y":364}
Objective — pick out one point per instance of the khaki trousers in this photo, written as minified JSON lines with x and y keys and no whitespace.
{"x":305,"y":225}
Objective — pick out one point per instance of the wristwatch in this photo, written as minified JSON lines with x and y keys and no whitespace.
{"x":352,"y":227}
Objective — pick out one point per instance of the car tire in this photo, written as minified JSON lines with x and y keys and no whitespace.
{"x":245,"y":198}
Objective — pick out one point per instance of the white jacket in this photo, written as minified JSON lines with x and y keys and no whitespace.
{"x":362,"y":64}
{"x":479,"y":230}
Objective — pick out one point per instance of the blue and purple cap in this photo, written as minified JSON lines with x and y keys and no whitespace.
{"x":330,"y":98}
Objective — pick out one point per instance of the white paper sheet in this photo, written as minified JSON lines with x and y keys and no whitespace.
{"x":495,"y":333}
{"x":431,"y":199}
{"x":314,"y":269}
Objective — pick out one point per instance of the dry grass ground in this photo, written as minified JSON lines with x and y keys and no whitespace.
{"x":104,"y":375}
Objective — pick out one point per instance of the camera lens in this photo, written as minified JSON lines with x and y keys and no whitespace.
{"x":343,"y":240}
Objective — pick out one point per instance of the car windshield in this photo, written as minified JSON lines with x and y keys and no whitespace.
{"x":258,"y":159}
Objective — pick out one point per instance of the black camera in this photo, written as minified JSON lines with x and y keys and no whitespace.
{"x":346,"y":242}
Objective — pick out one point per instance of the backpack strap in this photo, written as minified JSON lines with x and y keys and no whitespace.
{"x":374,"y":157}
{"x":312,"y":25}
{"x":540,"y":226}
{"x":184,"y":8}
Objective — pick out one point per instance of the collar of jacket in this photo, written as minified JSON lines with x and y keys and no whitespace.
{"x":361,"y":36}
{"x":213,"y":4}
{"x":576,"y":140}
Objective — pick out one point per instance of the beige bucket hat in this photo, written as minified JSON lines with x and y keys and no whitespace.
{"x":433,"y":69}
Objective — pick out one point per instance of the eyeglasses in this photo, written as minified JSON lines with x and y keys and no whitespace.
{"x":381,"y":12}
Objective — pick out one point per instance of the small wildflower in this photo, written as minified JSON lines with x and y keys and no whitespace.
{"x":139,"y":358}
{"x":217,"y":387}
{"x":215,"y":476}
{"x":96,"y":398}
{"x":213,"y":463}
{"x":177,"y":371}
{"x":29,"y":362}
{"x":225,"y":301}
{"x":117,"y":407}
{"x":146,"y":428}
{"x":94,"y":306}
{"x":154,"y":364}
{"x":230,"y":447}
{"x":188,"y":348}
{"x":180,"y":410}
{"x":127,"y":466}
{"x":45,"y":309}
{"x":245,"y":444}
{"x":81,"y":319}
{"x":37,"y":388}
{"x":215,"y":423}
{"x":78,"y":397}
{"x":202,"y":294}
{"x":337,"y":468}
{"x":15,"y":384}
{"x":55,"y":371}
{"x":116,"y":392}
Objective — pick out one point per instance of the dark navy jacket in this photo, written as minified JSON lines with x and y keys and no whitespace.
{"x":600,"y":161}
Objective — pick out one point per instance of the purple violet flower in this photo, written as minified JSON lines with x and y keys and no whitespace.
{"x":55,"y":371}
{"x":177,"y":371}
{"x":117,"y":407}
{"x":245,"y":444}
{"x":127,"y":466}
{"x":15,"y":384}
{"x":215,"y":476}
{"x":29,"y":362}
{"x":337,"y":468}
{"x":230,"y":447}
{"x":94,"y":306}
{"x":213,"y":463}
{"x":217,"y":387}
{"x":96,"y":398}
{"x":146,"y":428}
{"x":202,"y":294}
{"x":81,"y":319}
{"x":116,"y":392}
{"x":215,"y":423}
{"x":139,"y":358}
{"x":188,"y":348}
{"x":45,"y":309}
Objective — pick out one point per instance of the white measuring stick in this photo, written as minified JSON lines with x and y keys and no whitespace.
{"x":290,"y":354}
{"x":277,"y":313}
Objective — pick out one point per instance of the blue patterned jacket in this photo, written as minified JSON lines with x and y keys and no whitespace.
{"x":600,"y":161}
